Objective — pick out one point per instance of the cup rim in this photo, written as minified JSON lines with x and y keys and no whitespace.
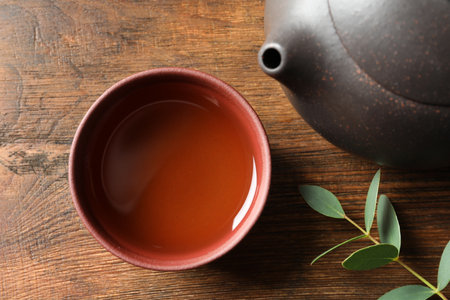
{"x":252,"y":215}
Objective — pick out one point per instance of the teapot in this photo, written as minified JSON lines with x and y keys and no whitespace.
{"x":372,"y":77}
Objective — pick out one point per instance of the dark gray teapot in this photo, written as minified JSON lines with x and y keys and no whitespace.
{"x":371,"y":76}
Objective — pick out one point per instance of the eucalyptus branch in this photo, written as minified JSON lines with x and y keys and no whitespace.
{"x":384,"y":251}
{"x":397,"y":260}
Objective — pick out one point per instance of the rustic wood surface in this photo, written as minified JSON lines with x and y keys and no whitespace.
{"x":58,"y":56}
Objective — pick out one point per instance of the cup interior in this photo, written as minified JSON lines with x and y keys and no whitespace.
{"x":117,"y":104}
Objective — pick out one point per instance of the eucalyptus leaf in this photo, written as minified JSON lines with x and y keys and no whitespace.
{"x":388,"y":226}
{"x":371,"y":201}
{"x":371,"y":257}
{"x":444,"y":268}
{"x":322,"y":201}
{"x":337,"y":246}
{"x":408,"y":292}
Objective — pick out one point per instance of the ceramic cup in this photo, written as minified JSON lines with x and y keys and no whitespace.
{"x":99,"y":124}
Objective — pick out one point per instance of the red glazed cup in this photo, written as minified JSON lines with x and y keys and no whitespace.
{"x":113,"y":107}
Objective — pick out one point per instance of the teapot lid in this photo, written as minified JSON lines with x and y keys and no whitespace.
{"x":403,"y":45}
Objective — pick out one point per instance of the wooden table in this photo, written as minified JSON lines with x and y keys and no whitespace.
{"x":57,"y":57}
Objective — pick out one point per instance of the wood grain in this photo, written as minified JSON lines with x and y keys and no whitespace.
{"x":57,"y":57}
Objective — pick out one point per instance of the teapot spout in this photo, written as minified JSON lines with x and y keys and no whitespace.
{"x":272,"y":59}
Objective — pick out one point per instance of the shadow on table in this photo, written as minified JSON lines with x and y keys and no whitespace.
{"x":274,"y":249}
{"x":422,"y":200}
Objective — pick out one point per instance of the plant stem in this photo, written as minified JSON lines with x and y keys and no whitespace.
{"x":417,"y":275}
{"x":337,"y":246}
{"x":367,"y":234}
{"x":426,"y":282}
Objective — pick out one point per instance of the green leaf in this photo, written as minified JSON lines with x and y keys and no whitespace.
{"x":444,"y":268}
{"x":322,"y":201}
{"x":408,"y":292}
{"x":371,"y":200}
{"x":371,"y":257}
{"x":337,"y":246}
{"x":388,"y":226}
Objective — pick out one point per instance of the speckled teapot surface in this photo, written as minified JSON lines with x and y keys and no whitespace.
{"x":372,"y":76}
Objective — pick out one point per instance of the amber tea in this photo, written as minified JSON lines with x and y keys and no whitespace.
{"x":174,"y":176}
